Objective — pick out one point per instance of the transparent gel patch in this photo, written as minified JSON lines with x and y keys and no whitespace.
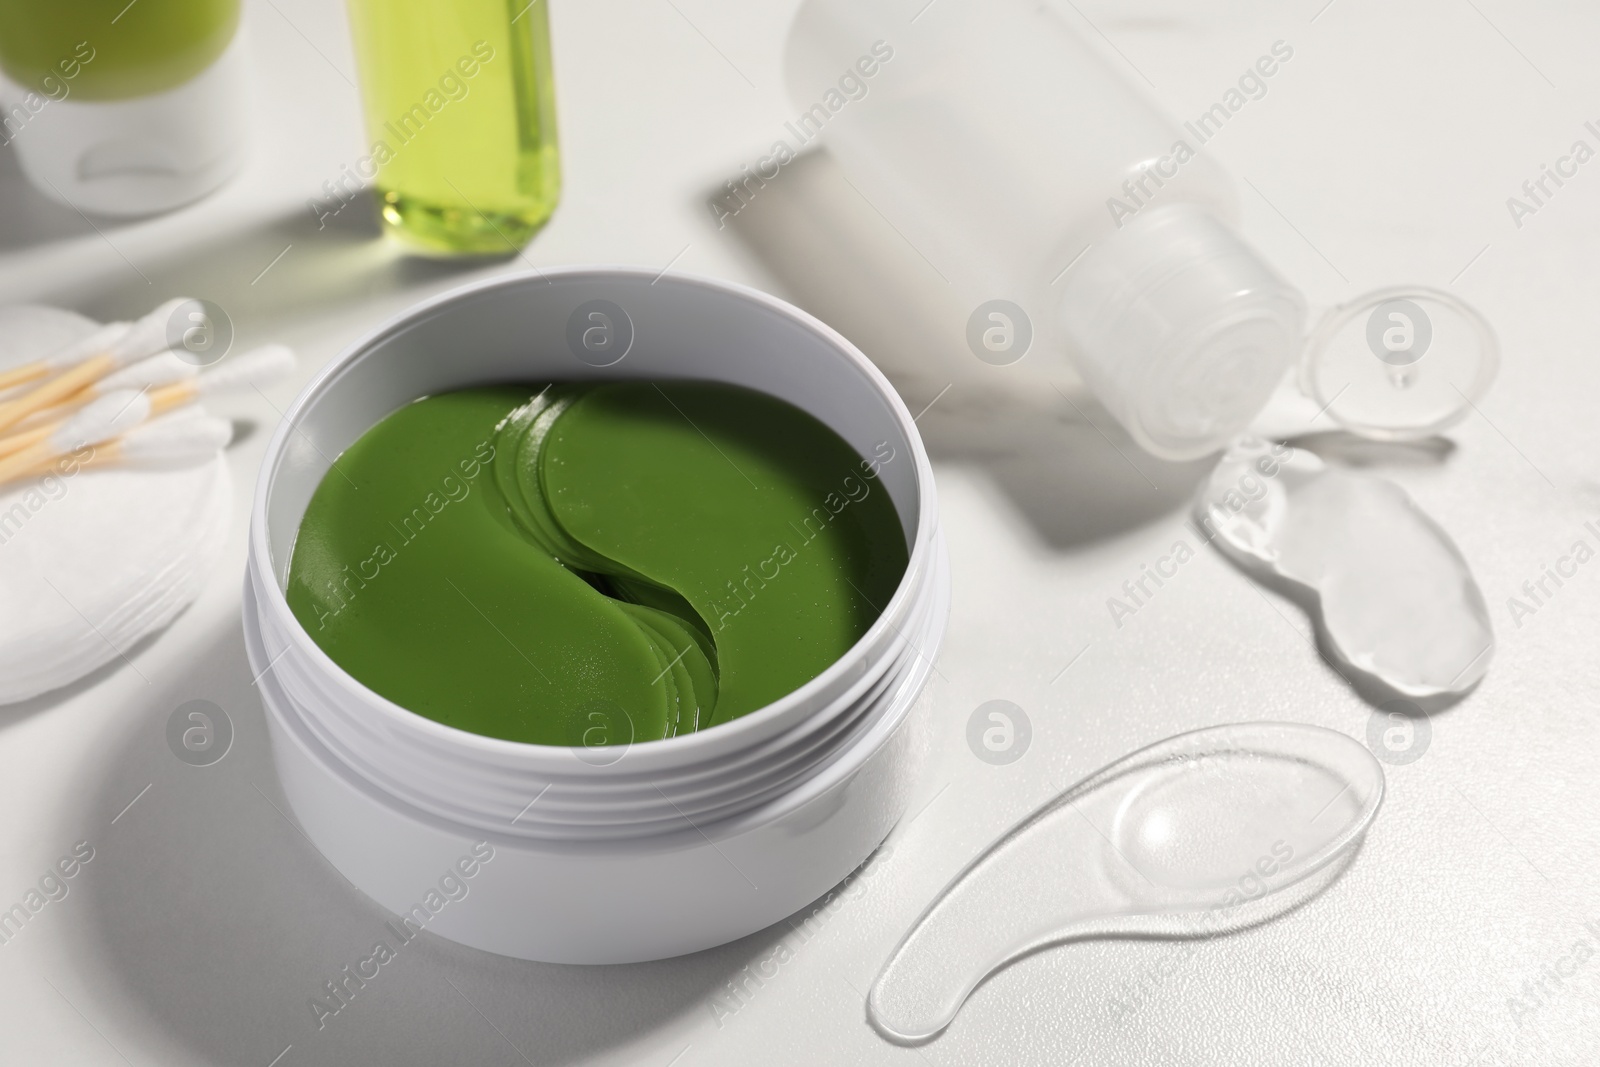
{"x":1197,"y":835}
{"x":1396,"y":600}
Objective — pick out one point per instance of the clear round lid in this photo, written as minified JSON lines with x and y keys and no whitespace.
{"x":1400,"y":363}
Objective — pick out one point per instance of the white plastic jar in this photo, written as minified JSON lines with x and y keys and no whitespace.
{"x":128,"y":152}
{"x":622,"y":853}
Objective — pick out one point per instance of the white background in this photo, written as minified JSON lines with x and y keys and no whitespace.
{"x":1383,"y":153}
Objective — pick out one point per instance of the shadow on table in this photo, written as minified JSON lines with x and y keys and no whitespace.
{"x":1347,"y":449}
{"x":206,"y":914}
{"x":31,"y":218}
{"x":292,"y":264}
{"x":22,"y":710}
{"x":1060,"y":458}
{"x":283,"y":266}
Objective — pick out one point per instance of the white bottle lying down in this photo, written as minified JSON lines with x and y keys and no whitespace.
{"x":993,"y":138}
{"x":1049,"y":198}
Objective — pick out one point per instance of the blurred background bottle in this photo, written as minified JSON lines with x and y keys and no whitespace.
{"x":460,"y":107}
{"x":123,"y":109}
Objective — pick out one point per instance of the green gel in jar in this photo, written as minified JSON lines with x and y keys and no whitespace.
{"x":595,"y":564}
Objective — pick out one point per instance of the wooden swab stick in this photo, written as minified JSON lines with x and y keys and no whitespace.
{"x":23,"y":374}
{"x":32,"y":435}
{"x":158,"y":370}
{"x":55,"y":390}
{"x":163,"y":368}
{"x":105,"y":418}
{"x":175,"y":388}
{"x":144,"y":338}
{"x":171,"y":441}
{"x":73,"y":354}
{"x":255,"y":368}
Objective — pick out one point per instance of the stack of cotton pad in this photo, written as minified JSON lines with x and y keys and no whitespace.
{"x":93,"y":561}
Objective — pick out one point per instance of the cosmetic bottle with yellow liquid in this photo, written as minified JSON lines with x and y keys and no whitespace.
{"x":460,"y":109}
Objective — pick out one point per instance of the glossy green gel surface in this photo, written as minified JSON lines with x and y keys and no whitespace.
{"x":595,"y":564}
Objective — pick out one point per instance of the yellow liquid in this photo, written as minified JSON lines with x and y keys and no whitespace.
{"x":460,"y":107}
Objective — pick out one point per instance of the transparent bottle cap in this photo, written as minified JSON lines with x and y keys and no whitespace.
{"x":1181,"y":329}
{"x":1401,"y":363}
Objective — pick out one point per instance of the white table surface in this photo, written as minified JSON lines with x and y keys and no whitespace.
{"x":1383,"y":153}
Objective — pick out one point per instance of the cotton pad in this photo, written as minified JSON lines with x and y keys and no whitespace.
{"x":93,"y":560}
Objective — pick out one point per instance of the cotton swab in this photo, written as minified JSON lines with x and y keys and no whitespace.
{"x":71,"y":355}
{"x":176,"y":439}
{"x":173,"y":382}
{"x":100,"y":420}
{"x":259,"y":367}
{"x":162,"y":369}
{"x":144,"y":338}
{"x":182,"y":438}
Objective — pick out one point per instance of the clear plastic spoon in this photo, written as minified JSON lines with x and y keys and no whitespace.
{"x":1194,"y":836}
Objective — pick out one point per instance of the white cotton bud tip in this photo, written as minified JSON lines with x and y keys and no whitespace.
{"x":164,"y":368}
{"x":102,"y":419}
{"x":149,"y":335}
{"x":258,"y":367}
{"x":185,"y":439}
{"x":101,"y":340}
